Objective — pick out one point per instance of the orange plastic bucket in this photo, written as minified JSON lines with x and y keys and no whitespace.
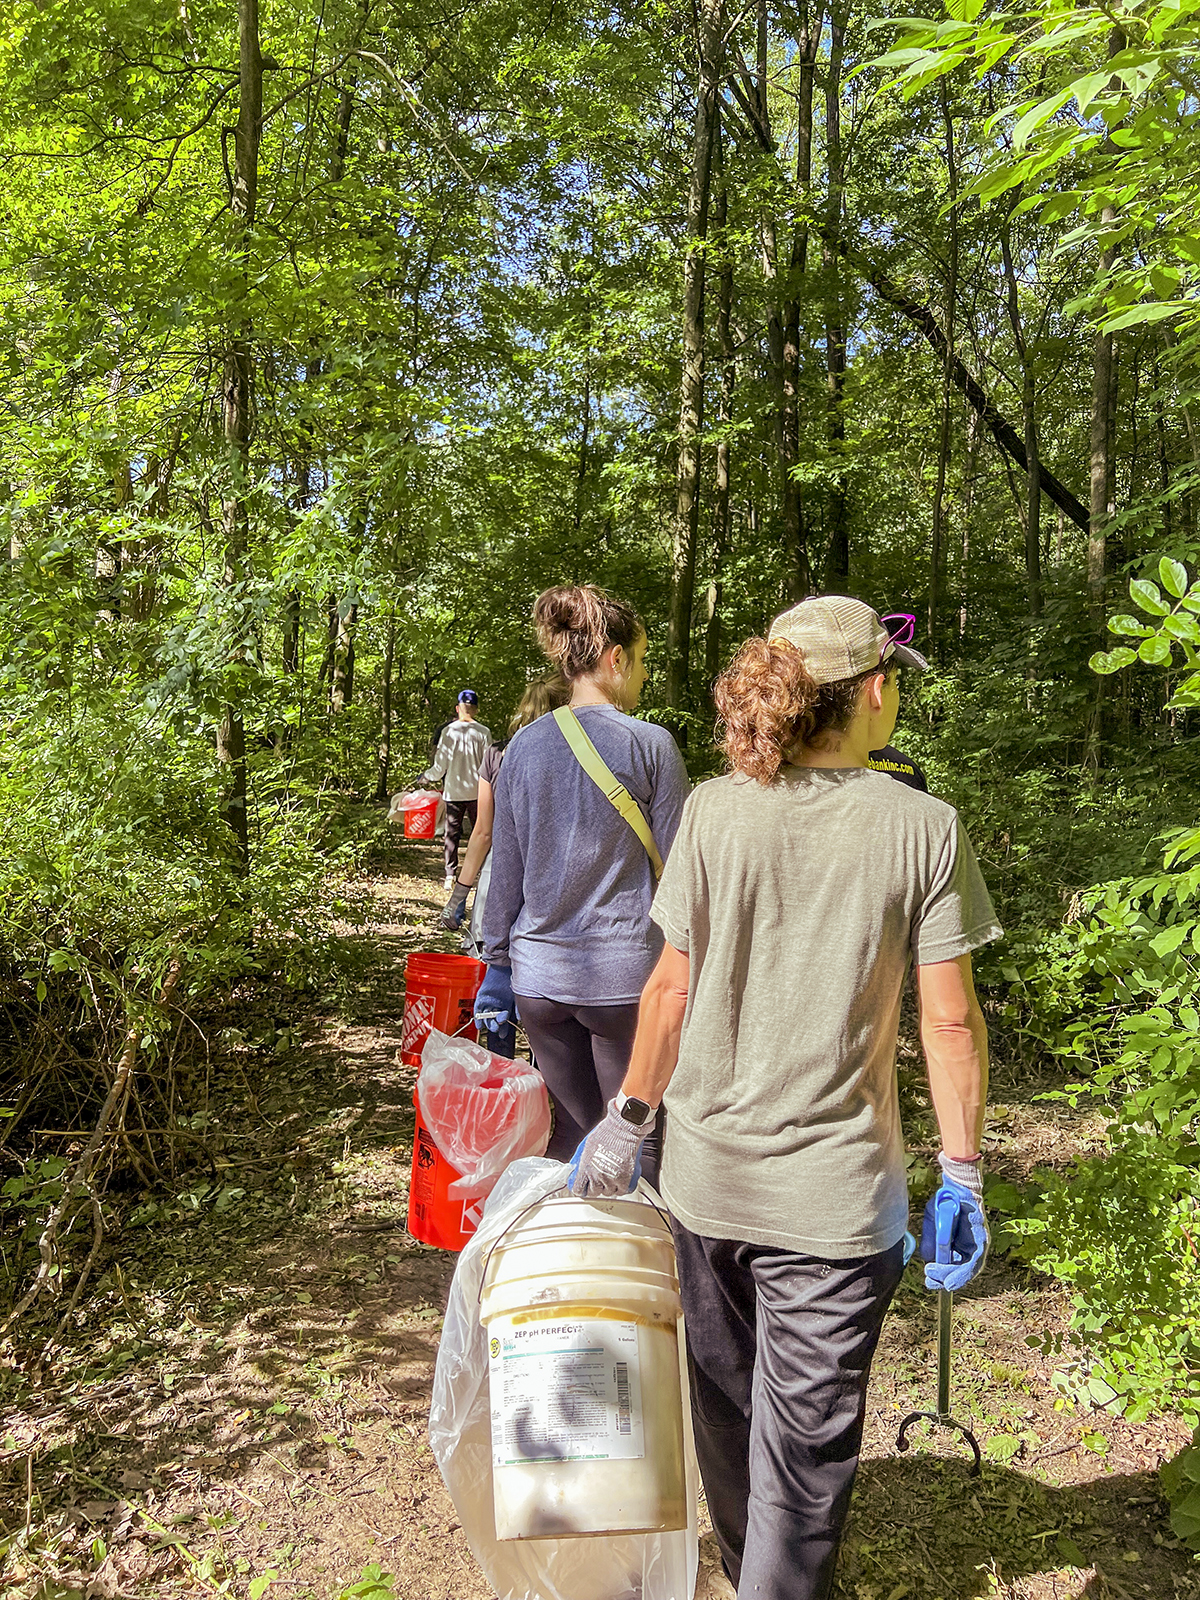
{"x":421,"y":822}
{"x":439,"y":992}
{"x":434,"y":1216}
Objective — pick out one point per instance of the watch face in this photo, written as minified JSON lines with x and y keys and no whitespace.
{"x":635,"y":1111}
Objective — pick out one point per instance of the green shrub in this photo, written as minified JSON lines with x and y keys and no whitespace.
{"x":1180,"y":1479}
{"x":1116,"y":992}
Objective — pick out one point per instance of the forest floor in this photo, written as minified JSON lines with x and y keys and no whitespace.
{"x":241,"y":1410}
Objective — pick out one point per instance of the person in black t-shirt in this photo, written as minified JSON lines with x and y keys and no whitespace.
{"x":901,"y":626}
{"x":900,"y":766}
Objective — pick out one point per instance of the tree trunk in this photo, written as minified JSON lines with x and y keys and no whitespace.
{"x":1100,"y":477}
{"x":1100,"y":442}
{"x":808,"y":40}
{"x":301,"y":504}
{"x":108,"y":554}
{"x":1033,"y":486}
{"x":585,"y":426}
{"x":972,"y":463}
{"x":343,"y":617}
{"x":331,"y":632}
{"x":720,"y":515}
{"x":938,"y":535}
{"x":141,"y":557}
{"x":383,"y":762}
{"x":691,"y":399}
{"x":837,"y":564}
{"x":343,"y":627}
{"x":807,"y":30}
{"x":783,"y":287}
{"x":238,"y":394}
{"x":1162,"y":454}
{"x":341,"y":683}
{"x":291,"y":632}
{"x":291,"y":663}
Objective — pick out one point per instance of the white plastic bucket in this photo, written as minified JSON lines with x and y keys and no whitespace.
{"x":581,"y":1305}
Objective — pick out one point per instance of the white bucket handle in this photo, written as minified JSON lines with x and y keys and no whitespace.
{"x":642,"y":1187}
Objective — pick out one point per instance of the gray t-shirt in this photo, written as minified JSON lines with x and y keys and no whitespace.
{"x":800,"y":906}
{"x":568,"y":906}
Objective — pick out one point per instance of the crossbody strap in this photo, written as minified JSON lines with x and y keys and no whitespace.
{"x":613,"y":790}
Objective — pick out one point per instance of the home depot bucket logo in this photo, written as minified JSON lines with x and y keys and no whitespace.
{"x":418,"y":1019}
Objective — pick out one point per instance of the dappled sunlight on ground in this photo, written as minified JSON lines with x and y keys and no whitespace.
{"x":246,"y":1391}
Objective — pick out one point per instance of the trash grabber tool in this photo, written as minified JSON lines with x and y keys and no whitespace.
{"x":945,"y":1215}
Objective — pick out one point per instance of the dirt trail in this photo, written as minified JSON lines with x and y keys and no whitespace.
{"x":243,"y":1410}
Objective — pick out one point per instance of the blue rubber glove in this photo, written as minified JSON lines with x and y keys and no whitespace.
{"x":962,"y":1236}
{"x":495,"y":1004}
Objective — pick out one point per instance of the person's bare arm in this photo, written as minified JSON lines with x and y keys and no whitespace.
{"x":660,"y":1022}
{"x":954,"y":1039}
{"x":481,"y":836}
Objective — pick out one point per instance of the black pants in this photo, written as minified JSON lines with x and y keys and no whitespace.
{"x":455,"y":811}
{"x":583,"y":1053}
{"x":780,"y":1348}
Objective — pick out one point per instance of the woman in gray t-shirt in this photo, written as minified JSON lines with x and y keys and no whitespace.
{"x":567,"y":930}
{"x":801,"y":888}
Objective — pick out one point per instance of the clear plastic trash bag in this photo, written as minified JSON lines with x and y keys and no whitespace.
{"x":650,"y":1566}
{"x":417,"y":800}
{"x":483,"y":1111}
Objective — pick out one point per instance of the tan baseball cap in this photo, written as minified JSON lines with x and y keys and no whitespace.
{"x":840,"y":637}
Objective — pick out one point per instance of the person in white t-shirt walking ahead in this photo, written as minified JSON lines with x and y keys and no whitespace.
{"x":456,"y":763}
{"x":798,"y":891}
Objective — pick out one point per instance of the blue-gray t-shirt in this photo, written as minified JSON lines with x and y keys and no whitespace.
{"x":568,"y":907}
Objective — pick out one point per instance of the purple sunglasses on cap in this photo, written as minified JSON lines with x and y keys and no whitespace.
{"x":901,"y":626}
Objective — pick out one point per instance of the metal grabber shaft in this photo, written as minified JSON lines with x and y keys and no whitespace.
{"x":944,"y":1217}
{"x":945,"y":1315}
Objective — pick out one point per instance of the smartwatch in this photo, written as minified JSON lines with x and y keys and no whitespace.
{"x":635,"y":1111}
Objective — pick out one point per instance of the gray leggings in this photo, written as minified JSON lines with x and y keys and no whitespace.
{"x":582,"y":1052}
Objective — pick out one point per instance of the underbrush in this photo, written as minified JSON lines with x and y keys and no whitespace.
{"x":1114,"y":996}
{"x":126,"y":924}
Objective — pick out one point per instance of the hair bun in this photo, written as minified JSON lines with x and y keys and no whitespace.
{"x":560,"y":609}
{"x":576,"y":623}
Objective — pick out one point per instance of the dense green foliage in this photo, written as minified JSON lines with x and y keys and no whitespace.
{"x":1115,"y":993}
{"x":458,"y":294}
{"x":1181,"y":1484}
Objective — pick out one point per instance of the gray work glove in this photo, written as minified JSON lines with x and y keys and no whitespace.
{"x":455,"y":908}
{"x":609,"y":1160}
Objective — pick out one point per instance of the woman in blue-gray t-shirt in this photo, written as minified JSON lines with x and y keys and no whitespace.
{"x":567,"y":932}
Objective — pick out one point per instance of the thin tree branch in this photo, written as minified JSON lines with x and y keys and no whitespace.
{"x":78,"y":1183}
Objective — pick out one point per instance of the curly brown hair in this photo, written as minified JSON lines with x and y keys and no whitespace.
{"x":577,"y":623}
{"x":767,"y":704}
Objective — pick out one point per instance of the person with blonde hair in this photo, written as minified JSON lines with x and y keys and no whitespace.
{"x":801,"y":888}
{"x":587,"y":804}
